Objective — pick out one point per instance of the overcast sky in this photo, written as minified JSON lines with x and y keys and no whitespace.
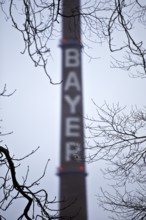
{"x":33,"y":112}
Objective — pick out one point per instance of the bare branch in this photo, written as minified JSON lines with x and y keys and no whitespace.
{"x":3,"y":93}
{"x":115,"y":21}
{"x":119,"y":139}
{"x":12,"y":191}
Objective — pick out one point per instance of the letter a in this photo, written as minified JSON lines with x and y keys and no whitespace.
{"x":72,"y":81}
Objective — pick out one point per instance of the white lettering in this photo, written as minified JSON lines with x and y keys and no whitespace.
{"x":71,"y":57}
{"x":72,"y":81}
{"x":72,"y":102}
{"x":72,"y":124}
{"x":72,"y":151}
{"x":72,"y":127}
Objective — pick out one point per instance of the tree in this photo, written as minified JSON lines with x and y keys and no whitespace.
{"x":13,"y":190}
{"x":119,"y":139}
{"x":113,"y":21}
{"x":35,"y":200}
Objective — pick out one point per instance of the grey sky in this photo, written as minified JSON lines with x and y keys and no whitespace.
{"x":33,"y":112}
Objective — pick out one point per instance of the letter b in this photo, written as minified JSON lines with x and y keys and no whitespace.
{"x":71,"y":57}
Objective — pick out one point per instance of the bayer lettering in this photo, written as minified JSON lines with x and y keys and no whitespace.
{"x":72,"y":123}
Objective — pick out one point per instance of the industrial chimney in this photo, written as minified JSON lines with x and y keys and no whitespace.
{"x":72,"y":172}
